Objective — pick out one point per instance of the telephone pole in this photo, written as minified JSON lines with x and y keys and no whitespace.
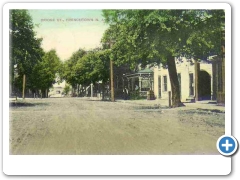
{"x":24,"y":83}
{"x":24,"y":79}
{"x":196,"y":70}
{"x":111,"y":76}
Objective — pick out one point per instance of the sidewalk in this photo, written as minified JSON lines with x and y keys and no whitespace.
{"x":161,"y":103}
{"x":211,"y":105}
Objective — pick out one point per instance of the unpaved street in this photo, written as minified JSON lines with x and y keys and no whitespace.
{"x":77,"y":126}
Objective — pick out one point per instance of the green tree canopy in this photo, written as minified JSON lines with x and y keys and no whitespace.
{"x":93,"y":67}
{"x":69,"y":73}
{"x":25,"y":48}
{"x":44,"y":73}
{"x":147,"y":36}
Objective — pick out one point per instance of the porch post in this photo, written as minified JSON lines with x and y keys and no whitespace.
{"x":140,"y":84}
{"x":128,"y":83}
{"x":152,"y":85}
{"x":91,"y":89}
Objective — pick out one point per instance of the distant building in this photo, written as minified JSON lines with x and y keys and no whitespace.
{"x":57,"y":89}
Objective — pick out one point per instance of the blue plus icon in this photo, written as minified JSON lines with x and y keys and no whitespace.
{"x":227,"y":145}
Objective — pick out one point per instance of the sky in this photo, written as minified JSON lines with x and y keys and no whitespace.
{"x":68,"y":30}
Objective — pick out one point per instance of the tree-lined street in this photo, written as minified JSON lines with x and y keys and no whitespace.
{"x":135,"y":44}
{"x":134,"y":38}
{"x":85,"y":126}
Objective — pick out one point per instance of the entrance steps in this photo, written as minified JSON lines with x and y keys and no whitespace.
{"x":190,"y":99}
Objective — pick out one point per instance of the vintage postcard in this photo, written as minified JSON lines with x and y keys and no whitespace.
{"x":114,"y":88}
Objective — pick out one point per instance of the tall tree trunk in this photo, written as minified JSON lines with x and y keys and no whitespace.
{"x":73,"y":90}
{"x":41,"y":93}
{"x":172,"y":70}
{"x":77,"y":90}
{"x":46,"y":93}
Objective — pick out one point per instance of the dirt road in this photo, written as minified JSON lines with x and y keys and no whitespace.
{"x":75,"y":126}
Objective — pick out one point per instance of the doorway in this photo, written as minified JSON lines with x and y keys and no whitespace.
{"x":204,"y":85}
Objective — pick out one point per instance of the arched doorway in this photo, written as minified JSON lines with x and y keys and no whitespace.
{"x":204,"y":85}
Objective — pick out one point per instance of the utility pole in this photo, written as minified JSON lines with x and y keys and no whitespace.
{"x":196,"y":68}
{"x":111,"y":77}
{"x":15,"y":75}
{"x":24,"y":79}
{"x":223,"y":68}
{"x":24,"y":83}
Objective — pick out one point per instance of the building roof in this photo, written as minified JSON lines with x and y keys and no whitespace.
{"x":140,"y":72}
{"x":145,"y":71}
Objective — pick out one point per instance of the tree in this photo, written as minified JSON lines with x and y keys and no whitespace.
{"x":84,"y":68}
{"x":146,"y":36}
{"x":66,"y":89}
{"x":208,"y":35}
{"x":100,"y":64}
{"x":45,"y":72}
{"x":69,"y":72}
{"x":93,"y":67}
{"x":101,"y":68}
{"x":25,"y":48}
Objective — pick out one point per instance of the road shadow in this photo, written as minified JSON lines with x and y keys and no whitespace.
{"x":25,"y":104}
{"x":211,"y":110}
